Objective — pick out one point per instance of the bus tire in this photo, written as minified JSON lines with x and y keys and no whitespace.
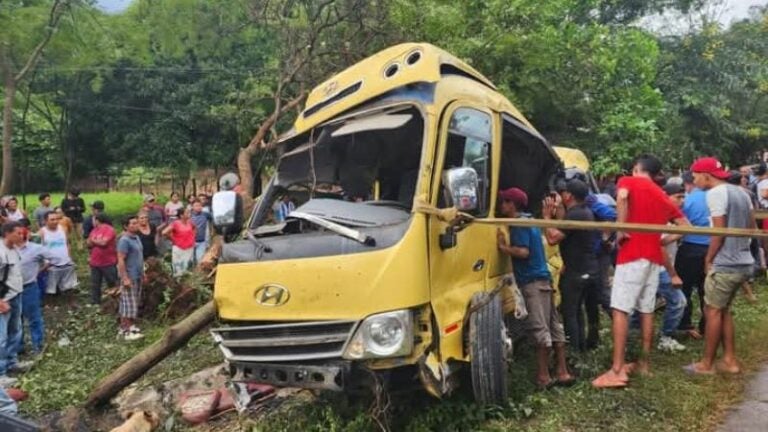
{"x":488,"y":362}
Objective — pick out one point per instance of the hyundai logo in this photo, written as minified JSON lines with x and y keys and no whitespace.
{"x":272,"y":295}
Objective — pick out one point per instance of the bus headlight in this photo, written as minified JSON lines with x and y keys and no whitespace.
{"x":388,"y":334}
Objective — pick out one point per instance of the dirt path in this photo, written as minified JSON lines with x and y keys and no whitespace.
{"x":751,"y":415}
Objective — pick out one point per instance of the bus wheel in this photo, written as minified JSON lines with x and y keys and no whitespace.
{"x":488,"y":352}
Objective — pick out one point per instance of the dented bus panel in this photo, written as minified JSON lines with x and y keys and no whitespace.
{"x":340,"y":273}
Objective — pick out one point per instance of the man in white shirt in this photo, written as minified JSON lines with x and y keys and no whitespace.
{"x":11,"y":287}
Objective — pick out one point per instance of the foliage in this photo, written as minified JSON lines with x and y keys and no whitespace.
{"x":716,"y":87}
{"x":183,"y":83}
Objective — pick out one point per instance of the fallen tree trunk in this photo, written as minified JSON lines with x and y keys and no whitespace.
{"x":174,"y":338}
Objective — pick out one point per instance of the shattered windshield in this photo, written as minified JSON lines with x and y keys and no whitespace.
{"x":358,"y":172}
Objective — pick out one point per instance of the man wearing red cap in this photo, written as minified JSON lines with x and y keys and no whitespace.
{"x":529,"y":264}
{"x":638,"y":264}
{"x":728,"y":262}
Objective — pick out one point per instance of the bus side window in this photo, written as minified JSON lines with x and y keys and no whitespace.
{"x":469,"y":145}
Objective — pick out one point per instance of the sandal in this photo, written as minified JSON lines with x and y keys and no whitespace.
{"x":692,"y":370}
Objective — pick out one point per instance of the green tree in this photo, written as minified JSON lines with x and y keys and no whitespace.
{"x":27,"y":29}
{"x":716,"y":87}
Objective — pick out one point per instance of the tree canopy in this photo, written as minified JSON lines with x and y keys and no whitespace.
{"x":180,"y":84}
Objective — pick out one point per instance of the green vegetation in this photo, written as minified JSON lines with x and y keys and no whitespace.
{"x":180,"y":84}
{"x":116,"y":204}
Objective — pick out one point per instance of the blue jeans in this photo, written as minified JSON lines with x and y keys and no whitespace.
{"x":673,"y":312}
{"x":32,"y":313}
{"x":10,"y":335}
{"x":7,"y":405}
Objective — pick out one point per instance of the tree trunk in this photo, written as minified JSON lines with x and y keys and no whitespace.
{"x":173,"y":339}
{"x":10,"y":94}
{"x":245,"y":171}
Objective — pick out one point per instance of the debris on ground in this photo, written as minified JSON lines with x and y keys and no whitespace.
{"x":139,"y":421}
{"x":165,"y":397}
{"x":198,"y":406}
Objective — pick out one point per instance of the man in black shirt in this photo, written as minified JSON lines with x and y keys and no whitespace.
{"x":581,"y":274}
{"x":73,"y":207}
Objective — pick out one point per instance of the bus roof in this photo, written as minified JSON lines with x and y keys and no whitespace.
{"x":384,"y":71}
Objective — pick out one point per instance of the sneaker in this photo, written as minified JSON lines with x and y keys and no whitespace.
{"x":22,"y":366}
{"x":7,"y":382}
{"x":132,"y":336}
{"x":669,"y":344}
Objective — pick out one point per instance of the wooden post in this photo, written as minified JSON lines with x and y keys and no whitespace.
{"x":617,"y":226}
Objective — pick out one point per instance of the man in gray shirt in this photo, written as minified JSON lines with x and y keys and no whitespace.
{"x":130,"y":268}
{"x":728,"y":263}
{"x":43,"y":209}
{"x":11,"y":286}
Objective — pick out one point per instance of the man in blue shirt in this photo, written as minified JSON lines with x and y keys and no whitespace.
{"x":529,"y":264}
{"x":202,"y":220}
{"x":689,"y":262}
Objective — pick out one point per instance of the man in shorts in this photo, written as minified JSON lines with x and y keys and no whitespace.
{"x":638,"y":264}
{"x":728,"y":263}
{"x":529,"y":264}
{"x":130,"y":269}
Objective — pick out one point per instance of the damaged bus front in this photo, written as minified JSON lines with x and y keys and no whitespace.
{"x":345,"y":267}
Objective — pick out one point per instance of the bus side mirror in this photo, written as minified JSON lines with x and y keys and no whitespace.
{"x":461,"y":186}
{"x":224,"y":208}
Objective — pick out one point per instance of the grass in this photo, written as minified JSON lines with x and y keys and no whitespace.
{"x":668,"y":401}
{"x":82,"y":348}
{"x":117,"y":204}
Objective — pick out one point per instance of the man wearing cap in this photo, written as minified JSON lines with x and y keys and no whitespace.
{"x":582,"y":272}
{"x":638,"y":264}
{"x":529,"y":264}
{"x":155,"y":211}
{"x":689,"y":261}
{"x":97,"y":207}
{"x":728,"y":263}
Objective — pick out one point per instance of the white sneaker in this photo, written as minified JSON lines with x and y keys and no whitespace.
{"x":22,"y":366}
{"x":132,"y":336}
{"x":669,"y":344}
{"x":133,"y":333}
{"x":7,"y":382}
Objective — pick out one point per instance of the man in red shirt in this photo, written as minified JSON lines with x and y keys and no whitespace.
{"x":103,"y":256}
{"x":638,"y":200}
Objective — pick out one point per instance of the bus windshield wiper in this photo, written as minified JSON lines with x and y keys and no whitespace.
{"x":338,"y":229}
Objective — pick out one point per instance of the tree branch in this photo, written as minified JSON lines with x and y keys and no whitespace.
{"x":57,"y":10}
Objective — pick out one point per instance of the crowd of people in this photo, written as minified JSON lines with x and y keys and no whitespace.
{"x":648,"y":269}
{"x":36,"y":261}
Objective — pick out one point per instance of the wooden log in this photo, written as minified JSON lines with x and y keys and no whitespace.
{"x":211,"y":256}
{"x":174,"y":338}
{"x":761,"y":214}
{"x":617,"y":226}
